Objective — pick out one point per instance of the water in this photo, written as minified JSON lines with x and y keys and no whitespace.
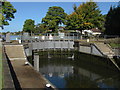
{"x":13,"y":37}
{"x":85,"y":71}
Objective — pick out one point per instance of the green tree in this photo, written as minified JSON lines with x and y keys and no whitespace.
{"x":112,"y":24}
{"x":6,"y":13}
{"x":29,"y":26}
{"x":54,"y":17}
{"x":41,"y":28}
{"x":86,"y":16}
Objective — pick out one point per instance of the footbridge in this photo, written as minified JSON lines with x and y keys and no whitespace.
{"x":52,"y":44}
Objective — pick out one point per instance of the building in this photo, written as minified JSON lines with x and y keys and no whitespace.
{"x":61,"y":28}
{"x":93,"y":31}
{"x":96,"y":31}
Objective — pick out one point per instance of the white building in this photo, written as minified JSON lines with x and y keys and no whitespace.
{"x":94,"y":31}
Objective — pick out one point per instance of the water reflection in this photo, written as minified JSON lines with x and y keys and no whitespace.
{"x":85,"y":71}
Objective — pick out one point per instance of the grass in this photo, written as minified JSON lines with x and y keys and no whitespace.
{"x":114,"y":42}
{"x":115,"y":45}
{"x":1,"y":78}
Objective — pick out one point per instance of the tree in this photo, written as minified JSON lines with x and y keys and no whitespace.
{"x":54,"y":17}
{"x":6,"y":13}
{"x":86,"y":16}
{"x":112,"y":23}
{"x":29,"y":26}
{"x":41,"y":28}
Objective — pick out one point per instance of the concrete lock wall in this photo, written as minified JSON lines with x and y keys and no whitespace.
{"x":90,"y":49}
{"x":85,"y":49}
{"x":65,"y":44}
{"x":27,"y":52}
{"x":53,"y":44}
{"x":95,"y":51}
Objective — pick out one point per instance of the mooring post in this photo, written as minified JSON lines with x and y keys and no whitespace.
{"x":54,"y":45}
{"x":36,"y":62}
{"x":78,"y":46}
{"x":8,"y":38}
{"x":91,"y":48}
{"x":61,"y":45}
{"x":37,"y":43}
{"x":30,"y":49}
{"x":43,"y":45}
{"x":73,"y":36}
{"x":68,"y":44}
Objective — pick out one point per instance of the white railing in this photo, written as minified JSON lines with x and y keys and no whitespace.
{"x":53,"y":36}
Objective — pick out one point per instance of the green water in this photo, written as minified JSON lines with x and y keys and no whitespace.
{"x":84,"y":71}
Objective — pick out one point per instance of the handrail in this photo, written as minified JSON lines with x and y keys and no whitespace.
{"x":110,"y":47}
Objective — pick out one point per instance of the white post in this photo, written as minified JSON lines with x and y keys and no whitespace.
{"x":19,"y":41}
{"x":88,"y":40}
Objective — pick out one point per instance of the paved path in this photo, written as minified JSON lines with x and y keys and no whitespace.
{"x":26,"y":75}
{"x":15,"y":52}
{"x":106,"y":50}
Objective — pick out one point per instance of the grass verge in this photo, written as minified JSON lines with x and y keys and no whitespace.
{"x":114,"y":45}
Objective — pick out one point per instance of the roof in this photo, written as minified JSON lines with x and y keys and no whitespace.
{"x":61,"y":27}
{"x":95,"y":30}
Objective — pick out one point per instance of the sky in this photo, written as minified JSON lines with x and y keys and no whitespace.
{"x":62,"y":0}
{"x":37,"y":10}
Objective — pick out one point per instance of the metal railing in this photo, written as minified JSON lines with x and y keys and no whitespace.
{"x":52,"y":36}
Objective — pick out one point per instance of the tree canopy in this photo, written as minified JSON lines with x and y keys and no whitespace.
{"x":112,"y":24}
{"x":86,"y":16}
{"x":41,"y":28}
{"x":54,"y":17}
{"x":29,"y":26}
{"x":6,"y":13}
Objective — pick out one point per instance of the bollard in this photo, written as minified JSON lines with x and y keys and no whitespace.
{"x":19,"y":41}
{"x":61,"y":45}
{"x":36,"y":62}
{"x":69,"y":45}
{"x":88,"y":40}
{"x":43,"y":37}
{"x":8,"y":37}
{"x":30,"y":49}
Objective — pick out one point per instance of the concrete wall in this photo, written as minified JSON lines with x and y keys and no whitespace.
{"x":50,"y":44}
{"x":27,"y":52}
{"x":90,"y":49}
{"x":58,"y":44}
{"x":117,"y":51}
{"x":85,"y":49}
{"x":95,"y":51}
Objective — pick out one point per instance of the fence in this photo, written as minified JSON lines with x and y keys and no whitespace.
{"x":52,"y":36}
